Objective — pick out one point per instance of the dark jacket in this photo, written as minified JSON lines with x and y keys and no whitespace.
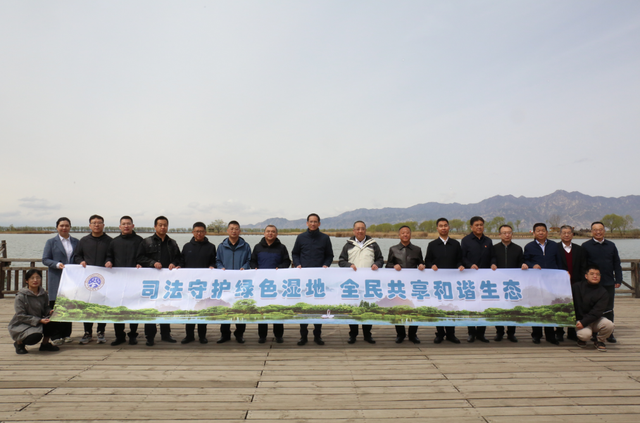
{"x":265,"y":256}
{"x":578,"y":258}
{"x":30,"y":308}
{"x":547,"y":259}
{"x":150,"y":252}
{"x":361,"y":257}
{"x":606,"y":257}
{"x":445,"y":256}
{"x":233,"y":257}
{"x":509,"y":257}
{"x":92,"y":250}
{"x":198,"y":255}
{"x":590,"y":301}
{"x":409,"y":257}
{"x":312,"y":249}
{"x":478,"y":251}
{"x":123,"y":250}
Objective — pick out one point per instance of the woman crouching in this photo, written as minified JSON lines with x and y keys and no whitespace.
{"x":31,"y":321}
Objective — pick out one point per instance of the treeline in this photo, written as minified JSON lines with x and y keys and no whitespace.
{"x":457,"y":225}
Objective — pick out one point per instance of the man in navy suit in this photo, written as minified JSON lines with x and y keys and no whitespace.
{"x":58,"y":251}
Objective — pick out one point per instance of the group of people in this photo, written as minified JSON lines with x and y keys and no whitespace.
{"x":594,"y":270}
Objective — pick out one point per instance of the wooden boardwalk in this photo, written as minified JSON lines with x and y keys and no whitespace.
{"x":496,"y":382}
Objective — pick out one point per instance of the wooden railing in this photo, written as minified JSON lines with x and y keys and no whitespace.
{"x":12,"y":277}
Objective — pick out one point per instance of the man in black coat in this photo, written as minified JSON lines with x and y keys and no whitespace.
{"x":604,"y":254}
{"x":92,"y":250}
{"x":477,"y":253}
{"x":198,"y":253}
{"x":405,"y":255}
{"x":122,"y":252}
{"x":573,"y":259}
{"x":312,"y":249}
{"x":161,"y":252}
{"x":444,"y":253}
{"x":591,"y":300}
{"x":270,"y":253}
{"x":508,"y":256}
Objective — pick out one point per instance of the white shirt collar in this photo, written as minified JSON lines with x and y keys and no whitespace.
{"x":566,"y":247}
{"x":444,"y":241}
{"x":599,"y":242}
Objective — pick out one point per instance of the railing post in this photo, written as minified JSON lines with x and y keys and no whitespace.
{"x":3,"y":254}
{"x":635,"y":275}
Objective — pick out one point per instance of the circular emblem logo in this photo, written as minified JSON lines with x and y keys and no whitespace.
{"x":94,"y":282}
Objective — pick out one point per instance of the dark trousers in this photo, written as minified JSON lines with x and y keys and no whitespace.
{"x":150,"y":330}
{"x":190,"y":329}
{"x":400,"y":331}
{"x":317,"y":330}
{"x":278,"y":330}
{"x":476,"y":330}
{"x":88,"y":327}
{"x":611,"y":290}
{"x":225,"y":330}
{"x":549,"y":332}
{"x":64,"y":328}
{"x":119,"y":330}
{"x":442,"y":331}
{"x":366,"y":331}
{"x":511,"y":330}
{"x":51,"y":329}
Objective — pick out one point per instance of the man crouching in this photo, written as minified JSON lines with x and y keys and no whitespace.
{"x":590,"y":301}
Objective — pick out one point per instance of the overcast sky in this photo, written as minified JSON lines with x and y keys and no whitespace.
{"x":249,"y":109}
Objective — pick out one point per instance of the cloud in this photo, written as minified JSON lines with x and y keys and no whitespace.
{"x":10,"y":214}
{"x":34,"y":203}
{"x":231,"y":207}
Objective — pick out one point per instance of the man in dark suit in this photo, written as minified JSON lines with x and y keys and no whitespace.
{"x":542,"y":253}
{"x":573,"y":259}
{"x":58,"y":251}
{"x":444,"y":253}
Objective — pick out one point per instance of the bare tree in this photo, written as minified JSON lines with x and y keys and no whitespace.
{"x":554,"y":220}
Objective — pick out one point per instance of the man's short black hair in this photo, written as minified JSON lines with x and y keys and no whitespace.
{"x":563,"y":227}
{"x":442,"y":219}
{"x":96,"y":216}
{"x":200,"y":225}
{"x":597,"y":223}
{"x":313,"y":214}
{"x":62,"y":219}
{"x":271,"y":226}
{"x":537,"y":225}
{"x":474,"y":219}
{"x":505,"y":226}
{"x":591,"y":267}
{"x":233,"y":222}
{"x":155,"y":222}
{"x":404,"y":226}
{"x":31,"y":272}
{"x":359,"y":221}
{"x":126,"y":217}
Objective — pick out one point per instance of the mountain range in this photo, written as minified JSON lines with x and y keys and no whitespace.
{"x":573,"y":208}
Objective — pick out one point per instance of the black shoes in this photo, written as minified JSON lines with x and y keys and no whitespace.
{"x":169,"y":339}
{"x":187,"y":339}
{"x":222,"y":340}
{"x":414,"y":339}
{"x":553,"y":341}
{"x":20,"y":348}
{"x":203,"y":340}
{"x":452,"y":338}
{"x":49,"y":347}
{"x":150,"y":341}
{"x":262,"y":340}
{"x":612,"y":339}
{"x":279,"y":340}
{"x":471,"y":338}
{"x":318,"y":340}
{"x":352,"y":340}
{"x":498,"y":337}
{"x":482,"y":339}
{"x":512,"y":338}
{"x":133,"y":340}
{"x":239,"y":339}
{"x":118,"y":342}
{"x":369,"y":340}
{"x":399,"y":339}
{"x":559,"y":337}
{"x":302,"y":341}
{"x":536,"y":340}
{"x":438,"y":339}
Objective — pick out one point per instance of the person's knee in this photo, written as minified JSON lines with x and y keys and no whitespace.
{"x":584,"y":335}
{"x":32,"y":339}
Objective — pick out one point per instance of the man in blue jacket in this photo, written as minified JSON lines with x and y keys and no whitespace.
{"x":233,"y":254}
{"x":58,"y":251}
{"x":604,"y":254}
{"x":312,"y":249}
{"x":541,"y":253}
{"x":270,"y":253}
